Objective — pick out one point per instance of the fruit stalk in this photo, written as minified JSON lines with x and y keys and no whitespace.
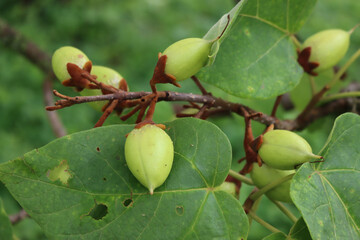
{"x":270,"y":186}
{"x":262,"y":222}
{"x":240,"y":177}
{"x":285,"y":210}
{"x":344,"y":68}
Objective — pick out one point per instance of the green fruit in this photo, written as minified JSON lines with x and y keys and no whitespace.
{"x":327,"y":47}
{"x":264,"y":175}
{"x":65,"y":55}
{"x":105,"y":75}
{"x":149,"y":154}
{"x":186,"y":57}
{"x":228,"y":187}
{"x":282,"y":149}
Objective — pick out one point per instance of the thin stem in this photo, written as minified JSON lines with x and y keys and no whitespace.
{"x":16,"y":41}
{"x":254,"y":208}
{"x":340,"y":95}
{"x":276,"y":105}
{"x":296,"y":41}
{"x":344,"y":68}
{"x":199,"y":85}
{"x":314,"y":100}
{"x":312,"y":85}
{"x":200,"y":113}
{"x":151,"y":110}
{"x":353,"y":29}
{"x":285,"y":210}
{"x":106,"y":113}
{"x":271,"y":186}
{"x":262,"y":222}
{"x":55,"y":121}
{"x":240,"y":177}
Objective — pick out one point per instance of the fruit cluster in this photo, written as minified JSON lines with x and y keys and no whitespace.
{"x":149,"y":151}
{"x":282,"y":152}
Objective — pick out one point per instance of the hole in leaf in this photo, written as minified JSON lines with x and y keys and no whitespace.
{"x":127,"y":202}
{"x":60,"y":172}
{"x":98,"y":149}
{"x":179,"y":210}
{"x":104,"y":178}
{"x":99,"y":211}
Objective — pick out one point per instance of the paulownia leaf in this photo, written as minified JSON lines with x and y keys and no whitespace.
{"x":79,"y":187}
{"x":257,"y":59}
{"x":327,"y":194}
{"x":5,"y":225}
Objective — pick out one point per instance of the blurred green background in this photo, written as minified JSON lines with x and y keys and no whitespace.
{"x":126,"y":36}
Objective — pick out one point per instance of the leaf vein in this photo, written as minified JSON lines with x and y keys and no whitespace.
{"x":147,"y":225}
{"x":191,"y":228}
{"x":341,"y":201}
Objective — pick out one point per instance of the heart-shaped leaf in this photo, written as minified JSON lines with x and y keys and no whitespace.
{"x":257,"y":59}
{"x":327,"y":194}
{"x":79,"y":187}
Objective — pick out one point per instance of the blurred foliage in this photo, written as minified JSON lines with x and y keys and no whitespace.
{"x":126,"y":36}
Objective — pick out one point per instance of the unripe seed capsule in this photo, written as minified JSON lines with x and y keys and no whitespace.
{"x":149,"y":154}
{"x":282,"y":149}
{"x":186,"y":57}
{"x":327,"y":47}
{"x":264,"y":175}
{"x":65,"y":55}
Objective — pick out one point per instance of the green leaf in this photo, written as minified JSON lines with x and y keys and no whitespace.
{"x":96,"y":196}
{"x":275,"y":236}
{"x":327,"y":194}
{"x":299,"y":231}
{"x":5,"y":225}
{"x":221,"y":29}
{"x":257,"y":59}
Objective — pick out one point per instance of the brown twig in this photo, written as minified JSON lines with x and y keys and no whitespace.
{"x":314,"y":100}
{"x":201,"y":112}
{"x":200,"y":86}
{"x":276,"y":105}
{"x":19,"y":43}
{"x":314,"y":113}
{"x":14,"y":40}
{"x":54,"y":119}
{"x":15,"y":218}
{"x":107,"y":112}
